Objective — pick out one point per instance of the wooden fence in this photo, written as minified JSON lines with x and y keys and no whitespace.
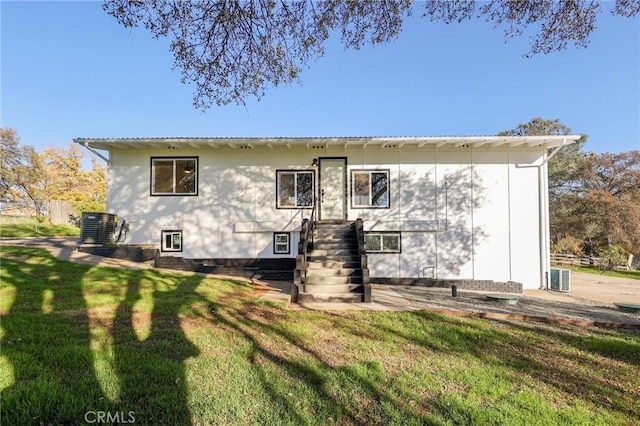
{"x":59,"y":212}
{"x":572,"y":259}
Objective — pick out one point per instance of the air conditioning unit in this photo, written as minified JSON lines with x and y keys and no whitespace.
{"x":97,"y":228}
{"x":560,"y":280}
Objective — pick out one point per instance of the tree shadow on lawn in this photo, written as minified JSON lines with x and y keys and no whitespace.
{"x":47,"y":313}
{"x":70,"y":347}
{"x":520,"y":350}
{"x":310,"y":385}
{"x":79,"y":341}
{"x":150,"y":350}
{"x":582,"y":365}
{"x":586,"y":365}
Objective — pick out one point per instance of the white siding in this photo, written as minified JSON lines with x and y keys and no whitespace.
{"x":454,"y":237}
{"x":490,"y":218}
{"x":470,"y":214}
{"x":525,"y":219}
{"x":236,"y":192}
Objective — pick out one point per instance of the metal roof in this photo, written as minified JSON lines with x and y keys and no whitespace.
{"x":397,"y":142}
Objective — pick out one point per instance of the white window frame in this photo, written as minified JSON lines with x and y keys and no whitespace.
{"x":384,"y":248}
{"x":276,"y":243}
{"x":173,"y":160}
{"x":172,"y":246}
{"x":295,"y":173}
{"x":369,"y":204}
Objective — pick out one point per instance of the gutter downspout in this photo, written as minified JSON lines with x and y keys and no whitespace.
{"x":543,"y":188}
{"x":86,"y":145}
{"x":554,"y":152}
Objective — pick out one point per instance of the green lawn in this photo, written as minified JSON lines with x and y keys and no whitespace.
{"x":162,"y":348}
{"x":23,"y":228}
{"x":588,"y":270}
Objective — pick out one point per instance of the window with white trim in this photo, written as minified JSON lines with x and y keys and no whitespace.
{"x":281,"y":243}
{"x":295,"y":188}
{"x":379,"y":242}
{"x":174,"y":176}
{"x":171,"y":241}
{"x":370,"y":188}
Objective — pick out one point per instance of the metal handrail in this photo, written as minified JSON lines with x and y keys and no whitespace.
{"x":360,"y":237}
{"x":311,"y":225}
{"x":364,"y":263}
{"x":306,"y":234}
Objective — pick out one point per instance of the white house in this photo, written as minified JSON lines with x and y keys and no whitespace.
{"x":468,"y":209}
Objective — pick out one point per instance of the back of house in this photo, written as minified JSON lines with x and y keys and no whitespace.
{"x":457,"y":209}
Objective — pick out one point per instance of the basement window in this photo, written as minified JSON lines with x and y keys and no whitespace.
{"x":174,"y":176}
{"x":171,"y":241}
{"x":281,"y":243}
{"x":377,"y":242}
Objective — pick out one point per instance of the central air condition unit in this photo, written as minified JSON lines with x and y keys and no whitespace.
{"x":97,"y":228}
{"x":560,"y":280}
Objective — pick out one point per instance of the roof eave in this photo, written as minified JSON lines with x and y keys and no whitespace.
{"x":421,"y":142}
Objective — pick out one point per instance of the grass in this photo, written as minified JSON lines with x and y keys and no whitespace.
{"x":592,"y":270}
{"x":183,"y":349}
{"x":24,"y":228}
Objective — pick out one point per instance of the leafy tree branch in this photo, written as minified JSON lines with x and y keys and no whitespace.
{"x":233,"y":49}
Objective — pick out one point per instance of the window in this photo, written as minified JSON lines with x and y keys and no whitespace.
{"x":295,"y":189}
{"x":370,"y":188}
{"x":171,"y":176}
{"x":281,"y":243}
{"x":171,"y":241}
{"x":388,"y":242}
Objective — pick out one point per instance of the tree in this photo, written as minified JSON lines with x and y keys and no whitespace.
{"x":11,"y":155}
{"x":64,"y":166}
{"x":563,"y":167}
{"x":86,"y":190}
{"x":232,"y":49}
{"x":606,"y":210}
{"x":594,"y":200}
{"x":30,"y":189}
{"x":22,"y":174}
{"x":29,"y":179}
{"x":94,"y":179}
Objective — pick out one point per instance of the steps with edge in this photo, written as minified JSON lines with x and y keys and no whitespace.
{"x":333,"y":272}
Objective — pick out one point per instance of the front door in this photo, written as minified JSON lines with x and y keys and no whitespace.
{"x":333,"y":188}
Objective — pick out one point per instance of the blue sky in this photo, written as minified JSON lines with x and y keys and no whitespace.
{"x":70,"y":70}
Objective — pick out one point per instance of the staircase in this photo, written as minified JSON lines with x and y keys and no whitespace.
{"x":334,"y":269}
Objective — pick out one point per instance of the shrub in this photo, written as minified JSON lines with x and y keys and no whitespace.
{"x":567,"y":245}
{"x":614,"y":255}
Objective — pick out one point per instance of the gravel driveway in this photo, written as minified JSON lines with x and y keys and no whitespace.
{"x":539,"y":307}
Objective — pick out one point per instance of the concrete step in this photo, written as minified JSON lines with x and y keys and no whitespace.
{"x":332,"y":281}
{"x":330,"y":297}
{"x":334,"y":229}
{"x":331,"y":236}
{"x":326,"y":263}
{"x":333,"y":232}
{"x":318,"y":271}
{"x":334,"y":244}
{"x":334,"y":261}
{"x":333,"y":288}
{"x":322,"y":224}
{"x":332,"y":253}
